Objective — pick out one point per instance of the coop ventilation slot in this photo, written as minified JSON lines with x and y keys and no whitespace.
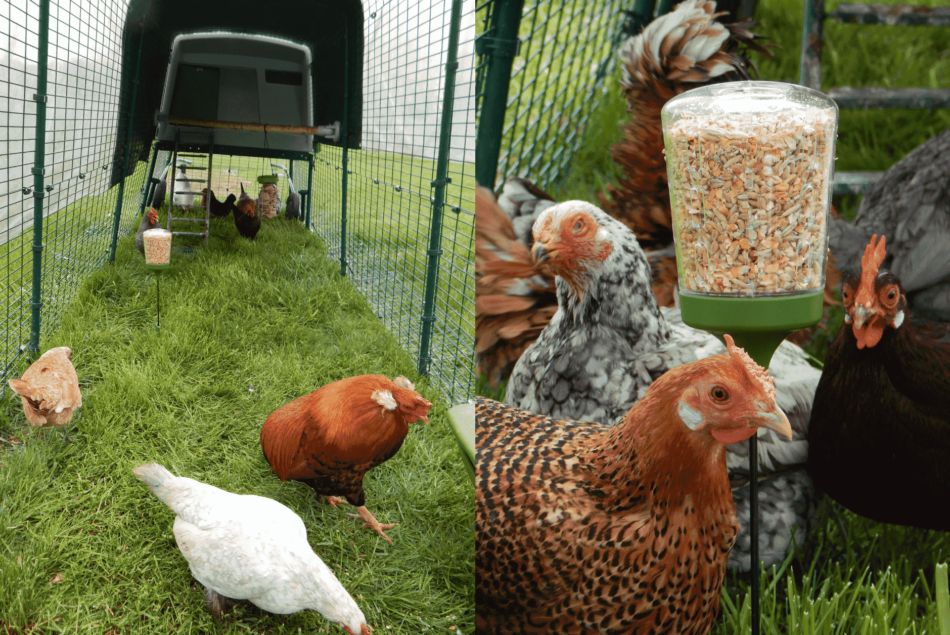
{"x":289,"y":78}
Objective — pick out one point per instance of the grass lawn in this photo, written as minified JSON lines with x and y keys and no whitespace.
{"x":852,"y":575}
{"x":246,"y":327}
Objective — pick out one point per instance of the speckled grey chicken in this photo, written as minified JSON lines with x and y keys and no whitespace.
{"x":609,"y":341}
{"x":910,"y":206}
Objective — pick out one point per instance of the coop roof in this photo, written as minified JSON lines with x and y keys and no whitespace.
{"x":317,"y":24}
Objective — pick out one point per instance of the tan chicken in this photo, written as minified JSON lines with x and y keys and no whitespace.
{"x":49,"y":389}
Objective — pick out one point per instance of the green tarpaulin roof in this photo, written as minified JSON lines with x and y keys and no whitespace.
{"x":326,"y":26}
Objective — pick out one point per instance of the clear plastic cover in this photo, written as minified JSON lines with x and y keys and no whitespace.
{"x":750,"y":169}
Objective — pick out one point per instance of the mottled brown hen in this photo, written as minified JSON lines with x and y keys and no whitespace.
{"x":583,"y":528}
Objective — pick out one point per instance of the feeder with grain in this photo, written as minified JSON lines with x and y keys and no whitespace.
{"x":268,"y":201}
{"x":750,"y":166}
{"x":158,"y":248}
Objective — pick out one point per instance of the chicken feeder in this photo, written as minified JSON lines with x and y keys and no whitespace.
{"x":158,"y":250}
{"x":751,"y":168}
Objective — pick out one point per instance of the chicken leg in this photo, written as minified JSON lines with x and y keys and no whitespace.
{"x":372,"y":523}
{"x":217,"y":602}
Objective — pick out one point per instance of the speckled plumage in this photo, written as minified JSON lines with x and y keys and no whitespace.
{"x":585,"y":528}
{"x":594,"y":364}
{"x":250,"y":548}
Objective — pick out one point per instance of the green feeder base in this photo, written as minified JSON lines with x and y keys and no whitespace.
{"x":158,"y":267}
{"x":756,"y":324}
{"x":268,"y":178}
{"x":462,"y":419}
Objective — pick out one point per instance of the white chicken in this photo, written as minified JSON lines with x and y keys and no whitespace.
{"x":184,"y":194}
{"x":250,"y":548}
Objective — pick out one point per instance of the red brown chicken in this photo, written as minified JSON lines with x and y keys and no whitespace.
{"x":584,"y":528}
{"x":884,"y":401}
{"x":332,"y":437}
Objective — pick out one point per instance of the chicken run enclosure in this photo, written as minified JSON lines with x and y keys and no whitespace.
{"x":392,"y":197}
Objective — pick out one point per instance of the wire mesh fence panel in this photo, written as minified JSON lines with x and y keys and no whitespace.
{"x":391,"y":184}
{"x":567,"y":50}
{"x":81,"y":104}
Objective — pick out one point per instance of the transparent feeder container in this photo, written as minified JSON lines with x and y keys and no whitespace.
{"x":158,"y":248}
{"x":750,"y":167}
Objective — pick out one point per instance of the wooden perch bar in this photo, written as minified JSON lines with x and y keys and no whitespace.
{"x":323,"y":131}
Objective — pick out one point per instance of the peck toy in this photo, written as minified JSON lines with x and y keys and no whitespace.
{"x":750,"y":167}
{"x":268,"y":201}
{"x":158,"y":249}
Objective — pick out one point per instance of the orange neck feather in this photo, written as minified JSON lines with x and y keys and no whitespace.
{"x":653,"y":449}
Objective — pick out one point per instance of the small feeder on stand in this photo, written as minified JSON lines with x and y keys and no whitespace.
{"x":750,"y":168}
{"x":158,"y":249}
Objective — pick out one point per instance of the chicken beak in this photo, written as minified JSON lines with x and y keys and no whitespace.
{"x":775,"y":420}
{"x":425,"y":419}
{"x":863,"y":314}
{"x":540,"y":252}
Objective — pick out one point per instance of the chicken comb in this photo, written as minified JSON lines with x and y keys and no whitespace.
{"x":755,"y":372}
{"x":873,"y":257}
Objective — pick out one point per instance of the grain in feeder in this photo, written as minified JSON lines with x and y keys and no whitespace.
{"x":268,"y":201}
{"x":750,"y":169}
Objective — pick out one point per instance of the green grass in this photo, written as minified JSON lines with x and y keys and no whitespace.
{"x":246,"y":327}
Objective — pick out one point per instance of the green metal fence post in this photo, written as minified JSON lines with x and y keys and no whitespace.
{"x":500,"y":45}
{"x":346,"y":156}
{"x":642,"y":14}
{"x":39,"y":159}
{"x":128,"y":149}
{"x":309,"y":186}
{"x":441,"y":180}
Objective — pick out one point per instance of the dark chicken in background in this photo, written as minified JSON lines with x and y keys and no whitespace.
{"x":884,"y":401}
{"x":582,"y":528}
{"x":150,"y":218}
{"x":218,"y":209}
{"x":910,"y":206}
{"x":330,"y":438}
{"x":246,"y":218}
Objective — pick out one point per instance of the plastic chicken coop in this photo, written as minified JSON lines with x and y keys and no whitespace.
{"x":368,"y":108}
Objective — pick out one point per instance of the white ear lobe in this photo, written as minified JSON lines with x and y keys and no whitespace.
{"x":385,"y":399}
{"x":898,"y":319}
{"x":691,"y":417}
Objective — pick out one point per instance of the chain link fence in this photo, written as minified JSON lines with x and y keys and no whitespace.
{"x":400,"y":217}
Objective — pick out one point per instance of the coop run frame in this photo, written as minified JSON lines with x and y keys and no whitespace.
{"x":542,"y":70}
{"x":80,"y":86}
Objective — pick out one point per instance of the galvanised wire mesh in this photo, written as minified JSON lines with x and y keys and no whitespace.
{"x":568,"y":48}
{"x":390,"y":212}
{"x":83,"y":88}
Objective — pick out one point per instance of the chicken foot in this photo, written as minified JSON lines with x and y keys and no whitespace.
{"x":372,"y":523}
{"x":366,"y":515}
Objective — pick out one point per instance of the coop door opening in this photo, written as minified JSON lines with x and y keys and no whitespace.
{"x":196,"y":92}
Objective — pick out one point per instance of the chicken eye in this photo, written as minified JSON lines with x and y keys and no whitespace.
{"x":719,"y":393}
{"x":845,"y":294}
{"x":578,"y":226}
{"x":891,"y":295}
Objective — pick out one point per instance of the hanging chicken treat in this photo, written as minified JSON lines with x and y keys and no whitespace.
{"x":268,"y":201}
{"x":750,"y":168}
